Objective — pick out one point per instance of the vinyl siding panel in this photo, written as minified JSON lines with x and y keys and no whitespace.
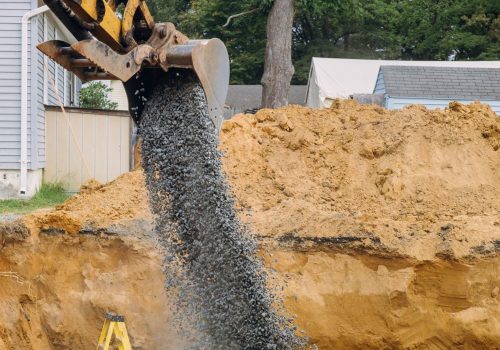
{"x":16,"y":5}
{"x":10,"y":149}
{"x":6,"y":131}
{"x":396,"y":103}
{"x":12,"y":33}
{"x":78,"y":86}
{"x":10,"y":81}
{"x":51,"y":66}
{"x":38,"y":73}
{"x":55,"y":71}
{"x":55,"y":76}
{"x":60,"y":84}
{"x":39,"y":126}
{"x":119,"y":95}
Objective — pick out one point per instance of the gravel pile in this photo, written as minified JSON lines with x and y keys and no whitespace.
{"x":223,"y":301}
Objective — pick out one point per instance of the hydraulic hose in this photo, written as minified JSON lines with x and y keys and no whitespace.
{"x":69,"y":19}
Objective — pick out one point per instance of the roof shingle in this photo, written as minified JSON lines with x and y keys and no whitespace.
{"x":441,"y":82}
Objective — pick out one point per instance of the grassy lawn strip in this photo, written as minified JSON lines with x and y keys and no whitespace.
{"x":49,"y":195}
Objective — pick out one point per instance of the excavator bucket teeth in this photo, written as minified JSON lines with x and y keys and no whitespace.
{"x":121,"y":66}
{"x":60,"y":52}
{"x":208,"y":58}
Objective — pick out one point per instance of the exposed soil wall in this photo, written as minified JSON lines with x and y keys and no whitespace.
{"x":382,"y":225}
{"x":54,"y":295}
{"x":54,"y":292}
{"x":364,"y":302}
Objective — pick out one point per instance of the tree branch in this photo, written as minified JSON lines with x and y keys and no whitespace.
{"x":238,"y":15}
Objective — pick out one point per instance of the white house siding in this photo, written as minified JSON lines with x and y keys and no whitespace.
{"x":11,"y":12}
{"x":10,"y":82}
{"x":47,"y":70}
{"x":39,"y":139}
{"x":118,"y":95}
{"x":399,"y":102}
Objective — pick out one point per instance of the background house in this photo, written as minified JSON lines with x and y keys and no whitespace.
{"x":332,"y":78}
{"x":436,"y":87}
{"x":22,"y":98}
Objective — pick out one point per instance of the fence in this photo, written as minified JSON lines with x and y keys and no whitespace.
{"x":86,"y":144}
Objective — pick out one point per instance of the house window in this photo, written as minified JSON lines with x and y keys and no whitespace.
{"x":65,"y":88}
{"x":72,"y":90}
{"x":56,"y":73}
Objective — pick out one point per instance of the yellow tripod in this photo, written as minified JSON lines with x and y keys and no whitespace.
{"x":114,"y":324}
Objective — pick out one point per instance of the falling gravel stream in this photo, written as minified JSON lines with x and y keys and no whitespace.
{"x":223,"y":300}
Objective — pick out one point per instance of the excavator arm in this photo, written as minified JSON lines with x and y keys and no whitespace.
{"x":136,"y":50}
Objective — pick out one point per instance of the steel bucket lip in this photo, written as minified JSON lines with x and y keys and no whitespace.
{"x":211,"y":64}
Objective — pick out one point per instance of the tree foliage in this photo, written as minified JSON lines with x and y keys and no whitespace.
{"x":390,"y":29}
{"x":344,"y":29}
{"x":245,"y":36}
{"x":438,"y":30}
{"x":168,"y":10}
{"x":95,"y":96}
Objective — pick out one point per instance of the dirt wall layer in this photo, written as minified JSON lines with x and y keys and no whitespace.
{"x":54,"y":295}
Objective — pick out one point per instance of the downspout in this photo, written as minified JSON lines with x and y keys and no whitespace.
{"x":24,"y":95}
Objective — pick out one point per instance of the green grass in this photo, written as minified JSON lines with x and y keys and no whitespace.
{"x":49,"y":195}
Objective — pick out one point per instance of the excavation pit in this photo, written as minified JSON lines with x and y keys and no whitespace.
{"x":384,"y":225}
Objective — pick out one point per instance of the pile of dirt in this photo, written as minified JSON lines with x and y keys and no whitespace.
{"x":411,"y":182}
{"x":97,"y":207}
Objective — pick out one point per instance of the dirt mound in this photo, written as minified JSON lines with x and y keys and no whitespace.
{"x":98,"y":206}
{"x":413,"y":182}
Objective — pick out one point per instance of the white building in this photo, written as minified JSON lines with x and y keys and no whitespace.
{"x":28,"y":82}
{"x":332,"y":78}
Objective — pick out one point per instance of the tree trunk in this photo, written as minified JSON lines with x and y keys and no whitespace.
{"x":278,"y":67}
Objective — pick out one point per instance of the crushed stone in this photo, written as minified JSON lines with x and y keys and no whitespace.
{"x":211,"y":260}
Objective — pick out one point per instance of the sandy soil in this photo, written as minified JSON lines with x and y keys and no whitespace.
{"x":96,"y":208}
{"x":383,"y":226}
{"x":54,"y":294}
{"x":412,"y":182}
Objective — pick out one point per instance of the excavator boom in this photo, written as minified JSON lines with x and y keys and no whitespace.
{"x":136,"y":50}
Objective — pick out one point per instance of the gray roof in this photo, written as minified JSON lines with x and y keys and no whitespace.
{"x":442,"y":82}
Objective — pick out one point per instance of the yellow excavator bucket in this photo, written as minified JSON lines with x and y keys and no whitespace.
{"x":133,"y":49}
